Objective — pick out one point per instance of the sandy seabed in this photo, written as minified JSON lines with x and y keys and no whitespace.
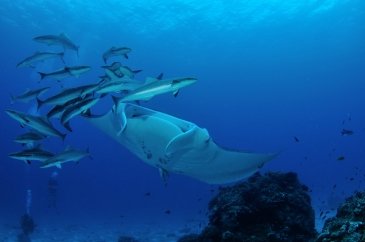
{"x":101,"y":231}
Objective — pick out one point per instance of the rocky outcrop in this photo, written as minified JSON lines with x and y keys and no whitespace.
{"x":349,"y":223}
{"x":271,"y":207}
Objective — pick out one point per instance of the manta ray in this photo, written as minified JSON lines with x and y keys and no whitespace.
{"x":176,"y":145}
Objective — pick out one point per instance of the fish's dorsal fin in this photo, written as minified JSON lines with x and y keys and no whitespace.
{"x":63,"y":35}
{"x":67,"y":126}
{"x":159,"y":77}
{"x":175,"y":93}
{"x":45,"y":119}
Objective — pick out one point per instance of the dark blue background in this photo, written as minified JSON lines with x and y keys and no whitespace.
{"x":266,"y":73}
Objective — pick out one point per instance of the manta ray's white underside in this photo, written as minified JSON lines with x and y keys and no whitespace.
{"x":175,"y":145}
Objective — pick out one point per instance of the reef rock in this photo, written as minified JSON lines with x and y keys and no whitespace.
{"x":189,"y":238}
{"x":349,"y":223}
{"x":273,"y":207}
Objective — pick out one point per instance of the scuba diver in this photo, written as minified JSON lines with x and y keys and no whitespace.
{"x":27,"y":224}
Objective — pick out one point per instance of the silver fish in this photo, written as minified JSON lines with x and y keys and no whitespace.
{"x":117,"y":86}
{"x":72,"y":71}
{"x":28,"y":95}
{"x":153,"y":88}
{"x":38,"y":123}
{"x":57,"y":110}
{"x":67,"y":95}
{"x":121,"y":70}
{"x":32,"y":154}
{"x":39,"y":56}
{"x":77,"y":109}
{"x":61,"y":40}
{"x":29,"y":138}
{"x":116,"y":51}
{"x":66,"y":156}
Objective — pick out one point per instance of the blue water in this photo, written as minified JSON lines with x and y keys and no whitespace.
{"x":267,"y":71}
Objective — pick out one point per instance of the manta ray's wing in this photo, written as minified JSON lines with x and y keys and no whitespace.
{"x":195,"y":154}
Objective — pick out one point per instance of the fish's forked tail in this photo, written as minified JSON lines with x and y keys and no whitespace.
{"x":67,"y":126}
{"x":88,"y":153}
{"x":77,"y":51}
{"x":12,"y":98}
{"x":63,"y":137}
{"x":39,"y":103}
{"x":62,"y":55}
{"x":42,"y":75}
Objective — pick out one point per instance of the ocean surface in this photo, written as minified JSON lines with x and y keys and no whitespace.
{"x":273,"y":76}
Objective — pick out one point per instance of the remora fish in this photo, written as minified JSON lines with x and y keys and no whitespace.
{"x":72,"y":71}
{"x":32,"y":154}
{"x":68,"y":95}
{"x":39,"y":56}
{"x":117,"y":86}
{"x":78,"y":70}
{"x":149,"y":90}
{"x":38,"y":123}
{"x":28,"y":138}
{"x":77,"y":109}
{"x":116,"y":51}
{"x":61,"y":40}
{"x":28,"y":95}
{"x":121,"y":70}
{"x":66,"y":156}
{"x":57,"y":110}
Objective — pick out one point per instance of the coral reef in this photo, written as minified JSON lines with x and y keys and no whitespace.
{"x":271,"y":207}
{"x":349,"y":223}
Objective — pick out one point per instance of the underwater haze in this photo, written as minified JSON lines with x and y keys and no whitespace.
{"x":273,"y":76}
